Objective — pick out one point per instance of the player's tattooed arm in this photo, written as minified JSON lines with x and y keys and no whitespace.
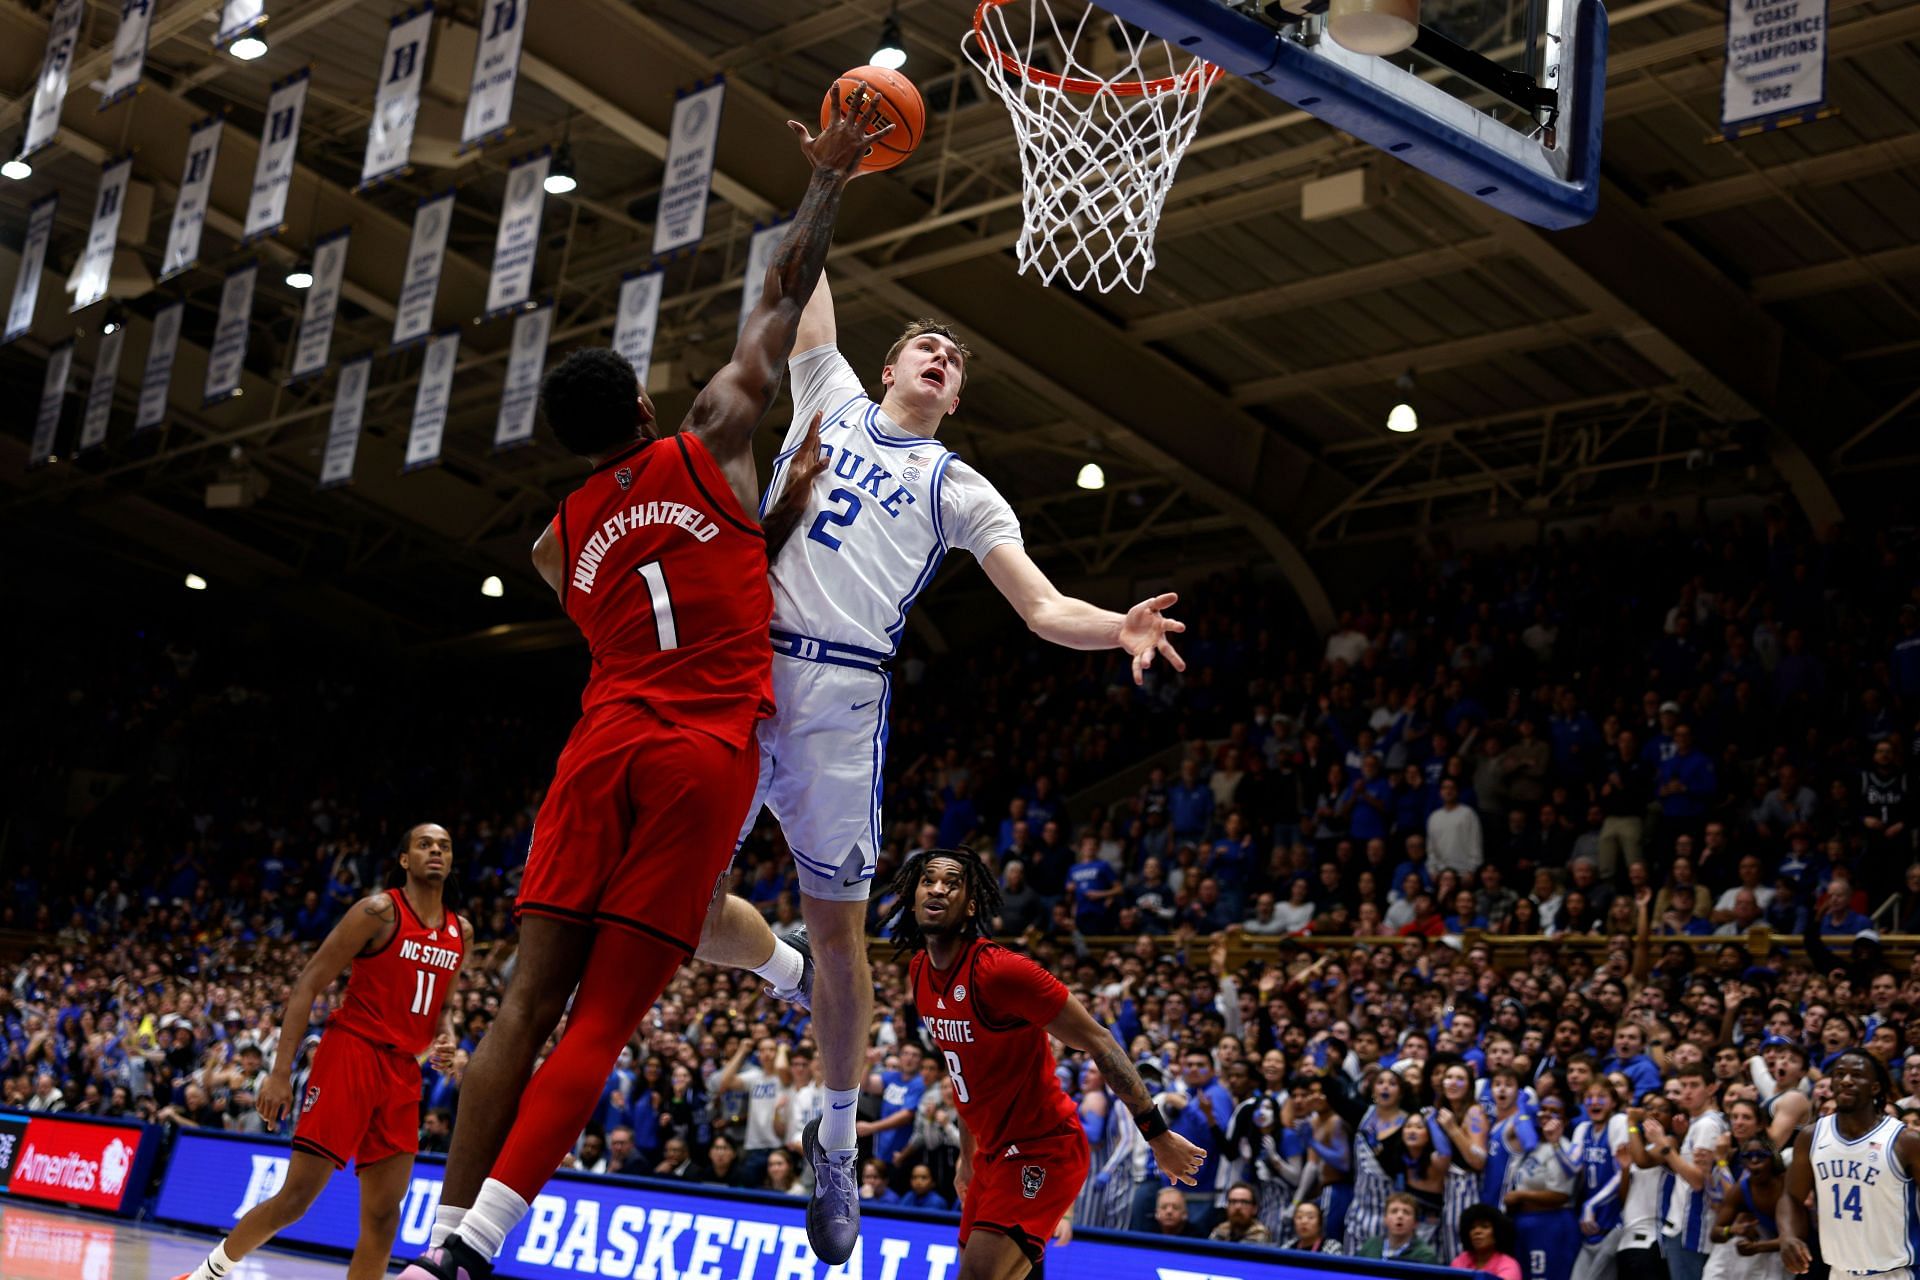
{"x":359,"y":929}
{"x":1074,"y":1027}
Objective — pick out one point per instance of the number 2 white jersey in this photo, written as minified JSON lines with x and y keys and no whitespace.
{"x":882,"y":516}
{"x":1863,"y":1202}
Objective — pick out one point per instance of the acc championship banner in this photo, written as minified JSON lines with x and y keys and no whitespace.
{"x":94,"y":1164}
{"x":228,"y":355}
{"x":190,"y":206}
{"x":691,"y":143}
{"x":396,"y":104}
{"x":1776,"y":62}
{"x":619,"y":1228}
{"x":50,"y":91}
{"x":106,"y":372}
{"x":237,"y":17}
{"x":273,"y":171}
{"x":129,"y":52}
{"x":519,"y":235}
{"x":638,"y":320}
{"x":33,"y":258}
{"x":413,"y":314}
{"x":343,"y":430}
{"x":759,"y":257}
{"x":528,"y":361}
{"x":53,"y":397}
{"x":157,"y":377}
{"x":430,"y":401}
{"x":315,"y":337}
{"x":95,"y":268}
{"x":496,"y":64}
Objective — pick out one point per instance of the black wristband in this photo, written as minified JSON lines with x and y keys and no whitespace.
{"x":1152,"y":1123}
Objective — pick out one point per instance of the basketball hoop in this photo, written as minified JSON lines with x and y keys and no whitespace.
{"x":1099,"y":140}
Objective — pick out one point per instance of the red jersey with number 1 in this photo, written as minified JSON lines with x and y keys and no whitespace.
{"x":988,"y":1017}
{"x":666,"y":577}
{"x":395,"y":995}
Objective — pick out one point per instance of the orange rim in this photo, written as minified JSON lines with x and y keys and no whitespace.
{"x":1205,"y":74}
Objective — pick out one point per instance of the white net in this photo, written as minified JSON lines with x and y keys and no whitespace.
{"x":1102,"y":112}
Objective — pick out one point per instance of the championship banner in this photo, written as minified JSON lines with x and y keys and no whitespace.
{"x":691,"y":149}
{"x":53,"y":398}
{"x":273,"y":171}
{"x":95,"y":268}
{"x":106,"y":372}
{"x":521,"y":394}
{"x":33,"y":258}
{"x":315,"y":337}
{"x":129,"y":52}
{"x":396,"y":104}
{"x":50,"y":91}
{"x":413,"y":314}
{"x":228,"y":355}
{"x":760,"y":252}
{"x":496,"y":64}
{"x":431,"y":399}
{"x":190,"y":206}
{"x":343,"y":430}
{"x":518,"y":239}
{"x":237,"y":17}
{"x":638,"y":320}
{"x":1776,"y":64}
{"x":157,"y":378}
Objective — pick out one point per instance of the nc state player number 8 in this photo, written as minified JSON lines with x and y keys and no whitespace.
{"x":959,"y":1081}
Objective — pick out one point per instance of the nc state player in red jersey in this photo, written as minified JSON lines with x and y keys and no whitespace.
{"x":659,"y":561}
{"x":363,"y":1097}
{"x":989,"y":1012}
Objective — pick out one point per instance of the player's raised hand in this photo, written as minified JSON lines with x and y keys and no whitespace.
{"x":1179,"y":1159}
{"x":856,"y":123}
{"x":1144,"y":632}
{"x":440,"y":1054}
{"x":275,"y":1100}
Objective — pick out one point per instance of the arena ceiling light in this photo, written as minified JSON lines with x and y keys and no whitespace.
{"x":247,"y":48}
{"x":891,"y":52}
{"x":560,"y":179}
{"x":1091,"y":477}
{"x":15,"y":167}
{"x":196,"y":583}
{"x":1403,"y":419}
{"x":492,"y":587}
{"x":300,"y":278}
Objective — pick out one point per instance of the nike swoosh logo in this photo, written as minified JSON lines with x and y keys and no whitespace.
{"x":856,"y":880}
{"x":862,"y":706}
{"x":841,"y":1106}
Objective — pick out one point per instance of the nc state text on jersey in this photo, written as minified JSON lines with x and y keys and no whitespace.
{"x":435,"y":957}
{"x":620,"y":523}
{"x":949,"y":1030}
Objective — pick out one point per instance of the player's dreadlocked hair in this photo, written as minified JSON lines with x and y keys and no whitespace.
{"x":983,"y":891}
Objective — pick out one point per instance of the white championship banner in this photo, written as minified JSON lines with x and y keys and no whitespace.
{"x":237,"y":17}
{"x":1776,"y":64}
{"x":638,"y":320}
{"x":496,"y":65}
{"x":692,"y":142}
{"x":53,"y":399}
{"x":95,"y":267}
{"x":396,"y":104}
{"x":129,"y":52}
{"x":413,"y":313}
{"x":227,"y":357}
{"x":314,"y":339}
{"x":106,"y":372}
{"x":759,"y":257}
{"x":190,"y":205}
{"x":50,"y":90}
{"x":156,"y":378}
{"x":431,"y":399}
{"x":33,"y":261}
{"x":273,"y":171}
{"x":520,"y":396}
{"x":518,"y":238}
{"x":343,"y":430}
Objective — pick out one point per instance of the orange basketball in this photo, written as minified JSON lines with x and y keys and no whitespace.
{"x":899,"y":103}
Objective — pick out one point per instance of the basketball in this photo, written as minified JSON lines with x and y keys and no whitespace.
{"x":899,"y":103}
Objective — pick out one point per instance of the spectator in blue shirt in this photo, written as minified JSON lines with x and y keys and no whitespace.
{"x":1369,"y":803}
{"x":1231,"y":861}
{"x":1415,"y":864}
{"x":1685,"y":781}
{"x":1190,"y":805}
{"x":899,"y":1099}
{"x":922,"y":1194}
{"x":1095,"y":889}
{"x":1630,"y":1058}
{"x":1839,"y":919}
{"x":1205,"y":1106}
{"x":873,"y":1184}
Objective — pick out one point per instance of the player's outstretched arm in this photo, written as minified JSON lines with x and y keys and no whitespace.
{"x":1074,"y":1027}
{"x":817,"y":327}
{"x":363,"y":923}
{"x":1074,"y":624}
{"x":1791,"y":1212}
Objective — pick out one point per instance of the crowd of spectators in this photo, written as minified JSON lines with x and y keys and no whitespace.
{"x":1416,"y":905}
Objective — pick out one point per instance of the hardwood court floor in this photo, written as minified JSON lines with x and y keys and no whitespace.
{"x":53,"y":1244}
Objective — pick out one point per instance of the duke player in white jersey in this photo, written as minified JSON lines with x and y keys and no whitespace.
{"x":1857,"y":1165}
{"x":888,"y":503}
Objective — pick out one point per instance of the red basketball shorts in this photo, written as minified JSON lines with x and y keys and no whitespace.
{"x":639,"y":825}
{"x":1024,"y":1190}
{"x":362,"y":1103}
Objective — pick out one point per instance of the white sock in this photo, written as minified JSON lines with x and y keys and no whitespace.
{"x":216,"y":1265}
{"x":496,"y":1211}
{"x":784,"y":968}
{"x":446,"y":1221}
{"x":836,"y":1122}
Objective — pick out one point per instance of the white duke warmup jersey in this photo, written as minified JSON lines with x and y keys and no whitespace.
{"x":882,"y":516}
{"x":1862,"y":1202}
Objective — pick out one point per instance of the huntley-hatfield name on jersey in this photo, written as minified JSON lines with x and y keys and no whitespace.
{"x":639,"y":516}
